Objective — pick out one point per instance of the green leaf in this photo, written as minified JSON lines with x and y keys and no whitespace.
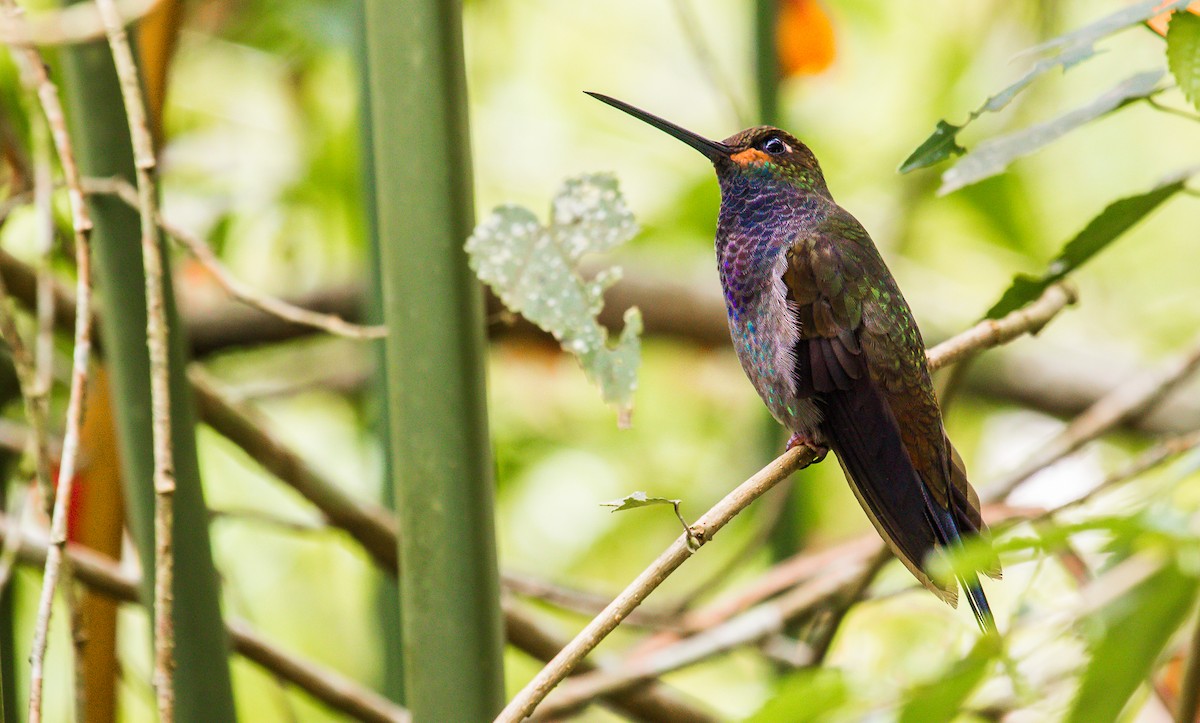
{"x":941,"y":699}
{"x":995,"y":154}
{"x":1113,"y":221}
{"x":1183,"y":54}
{"x":1132,"y":631}
{"x":806,"y":697}
{"x":641,"y":499}
{"x":1068,"y":50}
{"x":638,"y":499}
{"x":534,"y":270}
{"x":937,"y":147}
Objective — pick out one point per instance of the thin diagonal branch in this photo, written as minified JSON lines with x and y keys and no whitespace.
{"x":36,"y":76}
{"x":984,"y":335}
{"x":233,"y":286}
{"x":144,"y":163}
{"x":707,"y":63}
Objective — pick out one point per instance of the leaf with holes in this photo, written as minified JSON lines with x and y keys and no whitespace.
{"x":534,"y":269}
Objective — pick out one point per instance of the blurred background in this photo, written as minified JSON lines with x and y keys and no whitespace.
{"x":261,"y":159}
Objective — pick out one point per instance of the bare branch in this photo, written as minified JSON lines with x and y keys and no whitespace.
{"x":336,"y":691}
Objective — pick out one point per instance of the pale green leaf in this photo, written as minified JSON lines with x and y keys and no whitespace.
{"x":534,"y":270}
{"x":995,"y":154}
{"x":638,"y":499}
{"x":1183,"y":54}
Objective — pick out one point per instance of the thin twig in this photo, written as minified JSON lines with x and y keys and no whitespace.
{"x":1130,"y":399}
{"x":34,"y":71}
{"x":103,"y":575}
{"x":144,"y":163}
{"x":324,"y":684}
{"x":984,"y":335}
{"x":43,"y":190}
{"x":1171,"y":110}
{"x":832,"y":579}
{"x":780,"y":577}
{"x":233,"y":286}
{"x":268,"y":519}
{"x":708,"y":64}
{"x":652,"y":701}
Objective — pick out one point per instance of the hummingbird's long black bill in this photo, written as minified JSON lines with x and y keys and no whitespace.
{"x":712,"y":149}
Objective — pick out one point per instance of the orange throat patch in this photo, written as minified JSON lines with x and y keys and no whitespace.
{"x":750,"y":156}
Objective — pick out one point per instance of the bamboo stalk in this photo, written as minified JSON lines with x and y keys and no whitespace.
{"x":433,"y":307}
{"x":387,"y":594}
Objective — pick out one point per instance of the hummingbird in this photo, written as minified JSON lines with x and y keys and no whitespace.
{"x":825,"y":336}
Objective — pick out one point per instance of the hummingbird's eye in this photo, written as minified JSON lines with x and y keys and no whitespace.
{"x":774,"y":146}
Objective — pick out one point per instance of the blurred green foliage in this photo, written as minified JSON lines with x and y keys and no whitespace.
{"x":263,"y":161}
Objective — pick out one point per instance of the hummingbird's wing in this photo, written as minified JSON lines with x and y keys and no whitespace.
{"x":860,"y":355}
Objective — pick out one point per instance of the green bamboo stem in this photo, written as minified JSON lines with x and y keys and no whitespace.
{"x":433,"y":306}
{"x":387,"y":594}
{"x":203,"y":689}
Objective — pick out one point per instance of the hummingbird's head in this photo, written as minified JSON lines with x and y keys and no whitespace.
{"x":763,"y":152}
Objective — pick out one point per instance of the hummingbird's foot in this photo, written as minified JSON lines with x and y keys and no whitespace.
{"x":804,"y":440}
